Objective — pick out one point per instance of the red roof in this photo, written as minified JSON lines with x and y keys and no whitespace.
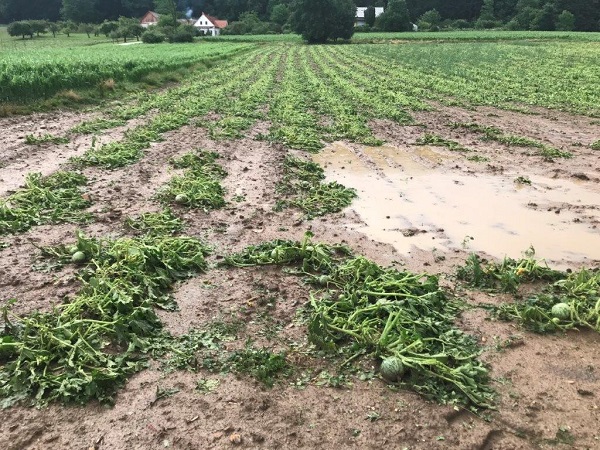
{"x":150,"y":17}
{"x":216,"y":22}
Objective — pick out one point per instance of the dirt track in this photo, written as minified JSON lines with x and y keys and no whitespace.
{"x":549,"y":385}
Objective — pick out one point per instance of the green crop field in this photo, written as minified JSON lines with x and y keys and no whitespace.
{"x":33,"y":73}
{"x":178,"y":196}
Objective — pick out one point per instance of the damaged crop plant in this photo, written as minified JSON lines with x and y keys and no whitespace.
{"x":86,"y":348}
{"x":359,"y":314}
{"x":358,"y":311}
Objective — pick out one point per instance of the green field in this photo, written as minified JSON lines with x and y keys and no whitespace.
{"x":34,"y":73}
{"x":510,"y":69}
{"x":467,"y":35}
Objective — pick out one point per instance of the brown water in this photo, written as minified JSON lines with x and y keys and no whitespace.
{"x":404,"y":201}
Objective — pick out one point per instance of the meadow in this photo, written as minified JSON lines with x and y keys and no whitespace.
{"x":207,"y":241}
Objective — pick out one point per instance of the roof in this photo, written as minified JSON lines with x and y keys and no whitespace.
{"x":360,"y":11}
{"x":150,"y":16}
{"x":216,"y":22}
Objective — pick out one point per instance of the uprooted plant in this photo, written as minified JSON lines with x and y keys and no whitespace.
{"x":200,"y":184}
{"x":86,"y":348}
{"x":302,"y":187}
{"x":561,"y":300}
{"x":57,"y":198}
{"x":359,"y":309}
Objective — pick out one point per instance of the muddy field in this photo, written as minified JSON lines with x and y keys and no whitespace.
{"x":420,"y":207}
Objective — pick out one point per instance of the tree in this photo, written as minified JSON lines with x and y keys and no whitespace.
{"x":136,"y":8}
{"x":86,"y":28}
{"x":280,"y":14}
{"x":39,"y":26}
{"x":68,"y":27}
{"x":54,"y":28}
{"x":108,"y":27}
{"x":321,"y":20}
{"x":15,"y":10}
{"x":430,"y":20}
{"x":544,"y":19}
{"x":79,"y":11}
{"x":128,"y":27}
{"x":526,"y":12}
{"x":487,"y":18}
{"x":487,"y":10}
{"x":20,"y":28}
{"x":113,"y":9}
{"x":395,"y":18}
{"x":565,"y":21}
{"x":370,"y":16}
{"x":167,"y":7}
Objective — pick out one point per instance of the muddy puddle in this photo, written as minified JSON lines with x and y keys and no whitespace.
{"x":405,"y":201}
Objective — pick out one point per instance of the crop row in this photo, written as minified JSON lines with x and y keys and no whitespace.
{"x":311,"y":95}
{"x":175,"y":110}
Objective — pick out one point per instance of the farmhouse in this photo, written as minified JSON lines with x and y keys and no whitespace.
{"x":207,"y":24}
{"x":150,"y":18}
{"x":210,"y":25}
{"x":359,"y":20}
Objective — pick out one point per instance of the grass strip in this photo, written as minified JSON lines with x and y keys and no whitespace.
{"x":31,"y":139}
{"x":434,"y":139}
{"x":497,"y":135}
{"x":94,"y":126}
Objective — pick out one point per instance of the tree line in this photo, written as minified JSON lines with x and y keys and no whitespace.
{"x":273,"y":15}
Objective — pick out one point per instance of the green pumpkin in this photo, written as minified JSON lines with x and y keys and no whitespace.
{"x":78,"y":257}
{"x":561,"y":311}
{"x":392,"y":369}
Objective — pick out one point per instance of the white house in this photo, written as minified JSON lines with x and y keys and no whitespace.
{"x":360,"y":15}
{"x":210,"y":25}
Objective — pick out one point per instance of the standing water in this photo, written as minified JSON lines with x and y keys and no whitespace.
{"x":403,"y":201}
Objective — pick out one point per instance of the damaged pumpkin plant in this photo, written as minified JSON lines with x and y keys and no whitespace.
{"x":359,"y":310}
{"x":86,"y":348}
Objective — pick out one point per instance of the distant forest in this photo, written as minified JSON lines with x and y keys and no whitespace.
{"x":515,"y":14}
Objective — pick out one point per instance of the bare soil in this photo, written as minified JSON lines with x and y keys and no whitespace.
{"x":549,"y":386}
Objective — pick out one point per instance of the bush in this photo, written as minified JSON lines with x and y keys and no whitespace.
{"x":461,"y":24}
{"x":363,"y":29}
{"x":513,"y":25}
{"x":153,"y":37}
{"x":487,"y":24}
{"x":181,"y":35}
{"x":423,"y":26}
